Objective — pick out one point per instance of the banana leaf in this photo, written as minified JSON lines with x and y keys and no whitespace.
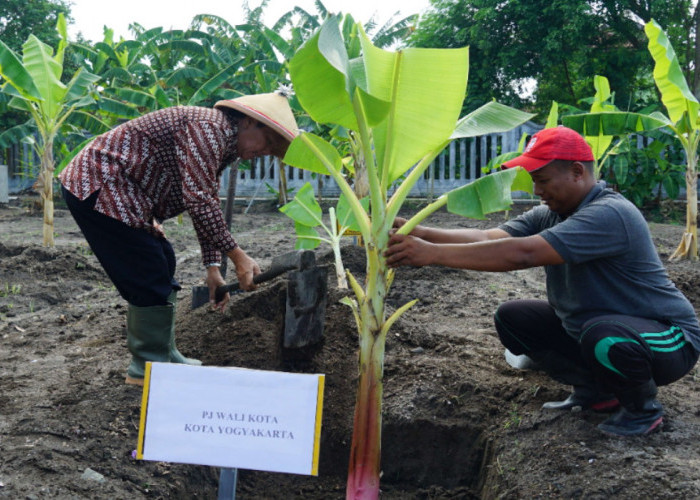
{"x":136,"y":97}
{"x":321,"y":84}
{"x":118,"y":109}
{"x":675,"y":93}
{"x":491,"y":118}
{"x":304,"y":209}
{"x":426,"y":88}
{"x":613,"y":123}
{"x":46,"y":74}
{"x":311,"y":152}
{"x":600,"y":141}
{"x":488,"y":194}
{"x":208,"y":87}
{"x":16,"y":134}
{"x":79,"y":84}
{"x":17,"y":76}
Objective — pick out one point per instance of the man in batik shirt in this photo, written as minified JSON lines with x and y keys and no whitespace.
{"x":124,"y":183}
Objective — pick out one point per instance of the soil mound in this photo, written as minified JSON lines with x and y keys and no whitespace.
{"x":459,"y":422}
{"x":34,"y":277}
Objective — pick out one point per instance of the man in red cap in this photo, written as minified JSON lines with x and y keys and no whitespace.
{"x":614,"y":326}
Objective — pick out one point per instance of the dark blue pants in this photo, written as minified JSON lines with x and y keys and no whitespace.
{"x":141,"y":266}
{"x":622,"y":352}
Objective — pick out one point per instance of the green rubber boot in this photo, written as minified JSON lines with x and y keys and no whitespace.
{"x":175,"y":355}
{"x":150,"y":336}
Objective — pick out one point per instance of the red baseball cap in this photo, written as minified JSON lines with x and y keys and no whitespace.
{"x":556,"y":143}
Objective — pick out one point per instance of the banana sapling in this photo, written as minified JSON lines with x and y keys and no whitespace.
{"x":401,"y":109}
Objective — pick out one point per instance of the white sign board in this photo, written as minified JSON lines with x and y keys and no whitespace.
{"x":231,"y":417}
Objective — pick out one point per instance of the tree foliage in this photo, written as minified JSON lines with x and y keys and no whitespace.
{"x":21,"y":18}
{"x":560,"y":44}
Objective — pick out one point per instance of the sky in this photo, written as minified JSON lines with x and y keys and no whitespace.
{"x":91,"y":16}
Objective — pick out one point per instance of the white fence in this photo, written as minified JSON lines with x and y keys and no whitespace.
{"x":460,"y":163}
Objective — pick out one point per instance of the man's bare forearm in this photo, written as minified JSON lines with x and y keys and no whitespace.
{"x":462,"y":235}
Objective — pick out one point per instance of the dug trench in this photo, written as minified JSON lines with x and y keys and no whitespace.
{"x":419,"y":449}
{"x":459,"y":422}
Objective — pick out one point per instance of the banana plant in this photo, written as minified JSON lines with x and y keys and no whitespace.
{"x":34,"y":84}
{"x":682,"y":119}
{"x":403,"y":109}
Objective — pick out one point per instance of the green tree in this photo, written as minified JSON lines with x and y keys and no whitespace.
{"x":559,"y":44}
{"x":21,"y":18}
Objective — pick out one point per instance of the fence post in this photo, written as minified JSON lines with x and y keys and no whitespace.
{"x":463,"y":161}
{"x":4,"y":185}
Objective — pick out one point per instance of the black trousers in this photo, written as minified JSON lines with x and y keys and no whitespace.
{"x":141,"y":266}
{"x":622,"y":352}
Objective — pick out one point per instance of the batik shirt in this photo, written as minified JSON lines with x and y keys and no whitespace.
{"x":156,"y":167}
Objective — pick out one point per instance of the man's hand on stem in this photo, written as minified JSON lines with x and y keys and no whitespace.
{"x":407,"y":250}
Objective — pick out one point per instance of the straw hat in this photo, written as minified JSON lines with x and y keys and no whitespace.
{"x":270,"y":109}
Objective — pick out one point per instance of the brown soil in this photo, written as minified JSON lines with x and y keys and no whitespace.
{"x":459,"y":422}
